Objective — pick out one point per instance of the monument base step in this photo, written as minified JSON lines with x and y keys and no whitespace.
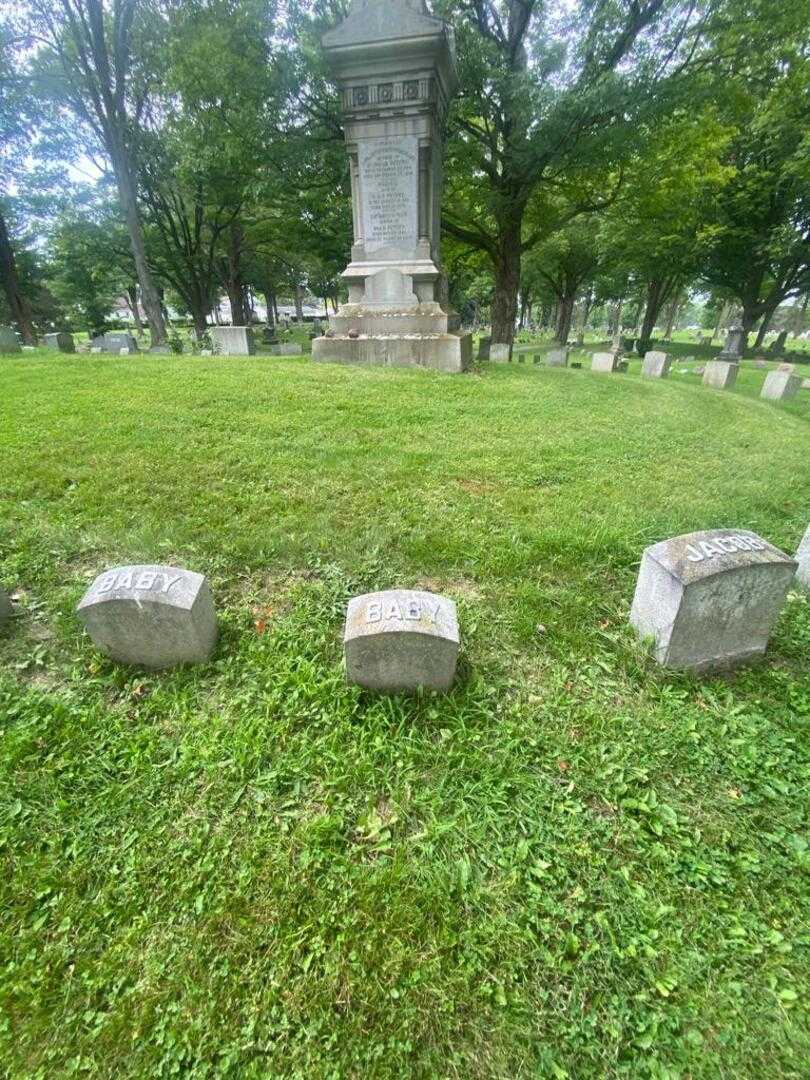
{"x":451,"y":353}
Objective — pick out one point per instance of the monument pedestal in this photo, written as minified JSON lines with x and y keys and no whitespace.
{"x":394,"y":64}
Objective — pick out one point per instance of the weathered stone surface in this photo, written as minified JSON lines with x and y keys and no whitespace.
{"x":450,"y":353}
{"x":656,"y":365}
{"x":720,"y":374}
{"x":710,"y":599}
{"x":63,"y":342}
{"x":781,"y":386}
{"x":401,"y":640}
{"x":789,"y":368}
{"x":483,"y":348}
{"x":232,"y":340}
{"x":558,"y":358}
{"x":6,"y":610}
{"x":805,"y":384}
{"x":286,"y":348}
{"x":499,"y":353}
{"x":605,"y":362}
{"x":8,"y":340}
{"x":114,"y":343}
{"x":733,"y":348}
{"x":153,"y":616}
{"x":803,"y":557}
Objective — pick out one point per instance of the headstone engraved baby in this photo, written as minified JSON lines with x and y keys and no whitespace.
{"x":152,"y":616}
{"x":401,"y":640}
{"x":710,"y":599}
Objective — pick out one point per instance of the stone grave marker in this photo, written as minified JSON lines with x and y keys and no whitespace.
{"x":721,"y":374}
{"x":787,"y":368}
{"x":287,"y":348}
{"x":733,"y":348}
{"x":483,"y":348}
{"x":499,"y":353}
{"x":656,"y":365}
{"x":63,"y":342}
{"x":114,"y":343}
{"x":710,"y":599}
{"x":781,"y":386}
{"x":153,"y":616}
{"x":558,"y":358}
{"x":29,"y":348}
{"x":605,"y":362}
{"x":401,"y":640}
{"x":805,"y":384}
{"x":6,"y":610}
{"x":8,"y":340}
{"x":232,"y":340}
{"x":803,"y":557}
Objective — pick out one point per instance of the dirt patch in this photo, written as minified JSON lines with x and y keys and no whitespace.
{"x":476,"y":487}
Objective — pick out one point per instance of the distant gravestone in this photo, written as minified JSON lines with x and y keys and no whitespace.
{"x":803,"y":557}
{"x":789,"y":368}
{"x":8,"y":340}
{"x":233,"y":340}
{"x":153,"y":616}
{"x":96,"y":349}
{"x":781,"y":386}
{"x":114,"y":343}
{"x":558,"y":358}
{"x":733,"y":348}
{"x":6,"y":610}
{"x":484,"y":347}
{"x":287,"y":348}
{"x":656,"y":365}
{"x":63,"y":342}
{"x":29,"y":348}
{"x":720,"y":374}
{"x":778,"y":344}
{"x":710,"y":599}
{"x":499,"y":353}
{"x":605,"y":362}
{"x":401,"y":640}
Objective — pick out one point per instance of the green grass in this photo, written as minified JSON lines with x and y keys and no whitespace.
{"x":574,"y":865}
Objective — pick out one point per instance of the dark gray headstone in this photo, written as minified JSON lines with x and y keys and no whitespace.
{"x":63,"y":342}
{"x":710,"y":599}
{"x":733,"y":348}
{"x":153,"y":616}
{"x":9,"y":342}
{"x":483,"y":348}
{"x":114,"y":343}
{"x":401,"y":640}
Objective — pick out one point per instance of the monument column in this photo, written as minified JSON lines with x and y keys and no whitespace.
{"x":394,"y":65}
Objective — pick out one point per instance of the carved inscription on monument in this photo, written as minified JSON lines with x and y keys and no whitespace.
{"x":389,"y":176}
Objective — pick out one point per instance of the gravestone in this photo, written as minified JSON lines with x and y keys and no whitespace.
{"x":153,"y":616}
{"x":789,"y":368}
{"x":63,"y":342}
{"x":558,"y":358}
{"x":29,"y":348}
{"x":6,"y":610}
{"x":206,"y":352}
{"x":778,"y":345}
{"x":8,"y":340}
{"x":232,"y":340}
{"x":96,"y":349}
{"x":484,"y":347}
{"x":114,"y":343}
{"x":720,"y":374}
{"x":781,"y":386}
{"x":161,"y":350}
{"x":394,"y":65}
{"x":499,"y":353}
{"x":656,"y":365}
{"x":805,"y":384}
{"x":401,"y":640}
{"x":733,"y":348}
{"x":605,"y":362}
{"x":803,"y":557}
{"x":700,"y":369}
{"x":710,"y":599}
{"x":286,"y":348}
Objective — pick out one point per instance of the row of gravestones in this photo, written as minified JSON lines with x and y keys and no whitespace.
{"x":706,"y":601}
{"x":780,"y":385}
{"x":226,"y":340}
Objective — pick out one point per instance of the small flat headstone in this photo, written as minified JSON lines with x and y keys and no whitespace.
{"x":152,"y":616}
{"x":29,"y":348}
{"x":114,"y":343}
{"x":656,"y":365}
{"x":710,"y":599}
{"x":558,"y":358}
{"x":161,"y":350}
{"x":6,"y":610}
{"x":96,"y":349}
{"x":721,"y":374}
{"x":781,"y":386}
{"x":8,"y":340}
{"x":287,"y":348}
{"x":401,"y":640}
{"x":803,"y":557}
{"x":605,"y":362}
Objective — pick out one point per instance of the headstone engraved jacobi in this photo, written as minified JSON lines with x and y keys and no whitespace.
{"x":153,"y":616}
{"x":710,"y":599}
{"x":401,"y":640}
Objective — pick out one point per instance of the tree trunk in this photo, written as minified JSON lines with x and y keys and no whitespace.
{"x":299,"y":303}
{"x":799,"y":317}
{"x":270,"y":304}
{"x":132,"y":300}
{"x":20,"y":308}
{"x":764,"y":327}
{"x":587,"y":302}
{"x":748,"y":322}
{"x":673,"y":314}
{"x":722,"y":315}
{"x":565,"y":317}
{"x":507,"y":283}
{"x":234,"y":283}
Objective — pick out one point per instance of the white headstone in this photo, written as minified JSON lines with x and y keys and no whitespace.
{"x":780,"y":386}
{"x":232,"y":340}
{"x":605,"y":362}
{"x":557,"y":358}
{"x":656,"y":365}
{"x":720,"y":374}
{"x":803,"y":557}
{"x":499,"y":352}
{"x":153,"y":616}
{"x":401,"y":640}
{"x":710,"y":599}
{"x":389,"y":175}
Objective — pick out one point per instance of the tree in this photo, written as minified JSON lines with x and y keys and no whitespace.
{"x":93,"y":59}
{"x":566,"y":262}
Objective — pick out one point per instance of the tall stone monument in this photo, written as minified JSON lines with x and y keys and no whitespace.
{"x":394,"y":65}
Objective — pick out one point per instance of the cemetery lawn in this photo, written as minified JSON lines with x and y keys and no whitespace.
{"x":575,"y":865}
